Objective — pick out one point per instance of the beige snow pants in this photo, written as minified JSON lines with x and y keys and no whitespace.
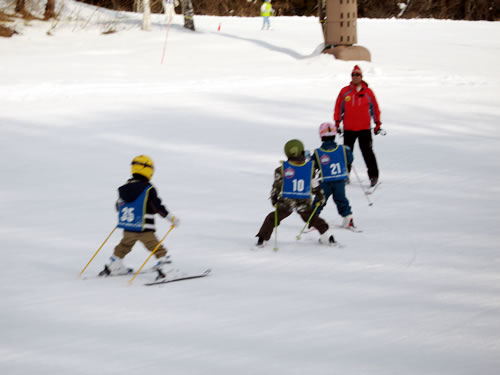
{"x":130,"y":238}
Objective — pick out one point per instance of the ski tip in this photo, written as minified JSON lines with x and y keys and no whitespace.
{"x":186,"y":277}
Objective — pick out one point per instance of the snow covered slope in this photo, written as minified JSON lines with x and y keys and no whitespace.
{"x":416,"y":293}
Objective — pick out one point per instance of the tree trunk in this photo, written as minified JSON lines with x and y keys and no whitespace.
{"x":187,"y":11}
{"x":20,"y":6}
{"x":50,"y":10}
{"x":146,"y":19}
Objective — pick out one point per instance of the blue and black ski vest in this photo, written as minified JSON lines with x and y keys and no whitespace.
{"x":332,"y":164}
{"x":132,"y":215}
{"x":296,"y":180}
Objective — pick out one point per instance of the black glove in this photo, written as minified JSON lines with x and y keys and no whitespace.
{"x":275,"y":199}
{"x":319,"y":199}
{"x":339,"y":129}
{"x":378,"y":128}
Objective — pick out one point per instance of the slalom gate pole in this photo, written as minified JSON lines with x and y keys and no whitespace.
{"x":152,"y":253}
{"x":276,"y":248}
{"x":308,"y":220}
{"x":166,"y":38}
{"x":370,"y":203}
{"x":99,"y":249}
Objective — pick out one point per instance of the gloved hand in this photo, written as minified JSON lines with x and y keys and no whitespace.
{"x":378,"y":128}
{"x":173,"y":219}
{"x":319,"y":199}
{"x":339,"y":129}
{"x":275,"y":199}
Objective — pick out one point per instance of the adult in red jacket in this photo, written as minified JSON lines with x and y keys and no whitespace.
{"x":355,"y":105}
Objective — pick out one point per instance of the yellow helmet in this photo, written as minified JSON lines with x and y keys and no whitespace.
{"x":144,"y":166}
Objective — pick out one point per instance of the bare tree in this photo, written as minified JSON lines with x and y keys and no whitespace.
{"x":50,"y":10}
{"x":146,"y":19}
{"x":187,"y":11}
{"x":20,"y":6}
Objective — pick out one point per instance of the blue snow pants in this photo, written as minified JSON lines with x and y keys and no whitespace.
{"x":335,"y":189}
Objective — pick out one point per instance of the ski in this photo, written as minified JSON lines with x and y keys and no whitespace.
{"x":264,"y":247}
{"x":179,"y":278}
{"x":129,"y":272}
{"x":102,"y":275}
{"x":336,"y":244}
{"x":352,"y":229}
{"x":187,"y":10}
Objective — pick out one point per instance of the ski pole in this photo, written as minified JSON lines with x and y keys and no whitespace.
{"x":99,"y":249}
{"x":308,"y":220}
{"x":166,"y":36}
{"x":152,"y":253}
{"x":276,"y":228}
{"x":370,"y":203}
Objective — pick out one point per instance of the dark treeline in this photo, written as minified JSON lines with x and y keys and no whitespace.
{"x":441,"y":9}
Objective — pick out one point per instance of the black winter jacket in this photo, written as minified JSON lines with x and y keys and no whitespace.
{"x":133,"y":188}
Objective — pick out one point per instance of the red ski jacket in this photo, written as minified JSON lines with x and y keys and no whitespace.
{"x":356,"y":107}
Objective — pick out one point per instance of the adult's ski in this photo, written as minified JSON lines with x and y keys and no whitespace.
{"x":179,"y":278}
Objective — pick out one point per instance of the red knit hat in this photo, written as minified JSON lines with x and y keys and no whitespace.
{"x":357,"y":69}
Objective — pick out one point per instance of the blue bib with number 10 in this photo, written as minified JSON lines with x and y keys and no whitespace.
{"x":296,"y":180}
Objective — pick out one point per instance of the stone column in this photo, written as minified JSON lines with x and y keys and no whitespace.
{"x":339,"y":29}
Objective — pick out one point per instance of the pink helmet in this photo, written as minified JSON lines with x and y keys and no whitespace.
{"x":327,"y":129}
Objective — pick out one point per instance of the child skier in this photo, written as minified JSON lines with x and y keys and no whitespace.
{"x":137,"y":203}
{"x":331,"y":162}
{"x":292,"y":189}
{"x":265,"y":11}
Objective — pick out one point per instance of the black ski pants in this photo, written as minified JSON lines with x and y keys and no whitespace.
{"x":266,"y":230}
{"x":366,"y":147}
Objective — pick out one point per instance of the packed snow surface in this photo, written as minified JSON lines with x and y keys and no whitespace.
{"x":418,"y":292}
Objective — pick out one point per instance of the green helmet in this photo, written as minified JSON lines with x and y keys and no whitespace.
{"x":294,"y":148}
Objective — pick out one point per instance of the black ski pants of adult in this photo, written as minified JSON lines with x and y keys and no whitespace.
{"x":366,"y":147}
